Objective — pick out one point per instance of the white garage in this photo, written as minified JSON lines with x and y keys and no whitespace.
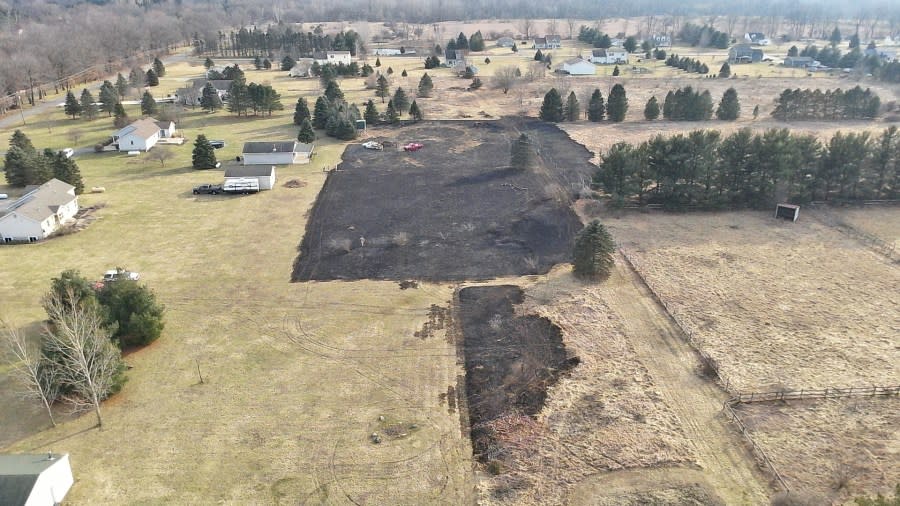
{"x":276,"y":153}
{"x":264,"y":174}
{"x":35,"y":480}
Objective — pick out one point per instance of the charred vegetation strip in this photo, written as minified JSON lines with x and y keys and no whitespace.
{"x":511,"y":360}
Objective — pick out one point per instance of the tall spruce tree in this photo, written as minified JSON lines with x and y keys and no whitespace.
{"x":301,"y":111}
{"x":108,"y":97}
{"x":306,"y":135}
{"x":382,"y":88}
{"x":730,"y":107}
{"x":320,"y":112}
{"x":121,"y":86}
{"x":725,"y":71}
{"x":238,"y":97}
{"x":391,"y":114}
{"x":16,"y":165}
{"x":72,"y":106}
{"x":148,"y":104}
{"x":401,"y":101}
{"x":120,"y":117}
{"x":414,"y":112}
{"x":88,"y":107}
{"x":617,"y":105}
{"x":208,"y":63}
{"x":204,"y":155}
{"x":552,"y":107}
{"x":596,"y":107}
{"x":616,"y":71}
{"x":651,"y":110}
{"x":573,"y":108}
{"x":371,"y":114}
{"x":150,"y":78}
{"x":209,"y":98}
{"x":593,"y":254}
{"x":159,"y":68}
{"x":425,"y":85}
{"x":136,"y":77}
{"x":287,"y":63}
{"x":66,"y":170}
{"x":522,"y":155}
{"x":333,"y":92}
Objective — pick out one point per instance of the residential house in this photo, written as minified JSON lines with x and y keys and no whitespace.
{"x":455,"y":57}
{"x":756,"y":38}
{"x":661,"y":40}
{"x":191,"y":95}
{"x":744,"y":53}
{"x":577,"y":67}
{"x":617,"y":42}
{"x":264,"y":174}
{"x":798,"y":61}
{"x":38,"y":214}
{"x":609,"y":56}
{"x":548,"y":42}
{"x":302,"y":68}
{"x":276,"y":153}
{"x":505,"y":42}
{"x":35,"y":480}
{"x":143,"y":134}
{"x":333,"y":57}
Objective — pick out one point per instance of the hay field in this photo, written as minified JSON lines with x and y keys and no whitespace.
{"x":832,"y":449}
{"x":798,"y":305}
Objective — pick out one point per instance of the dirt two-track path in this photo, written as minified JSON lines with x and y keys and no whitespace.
{"x":727,"y":467}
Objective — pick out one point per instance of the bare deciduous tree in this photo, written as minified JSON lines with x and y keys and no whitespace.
{"x":552,"y":27}
{"x":37,"y":382}
{"x":570,"y":23}
{"x":505,"y":78}
{"x":525,"y":26}
{"x":161,"y":155}
{"x":84,"y":356}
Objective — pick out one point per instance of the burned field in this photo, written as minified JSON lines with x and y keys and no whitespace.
{"x":453,"y":210}
{"x":510,"y":361}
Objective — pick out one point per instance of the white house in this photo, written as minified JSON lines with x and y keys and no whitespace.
{"x":388,"y":51}
{"x":455,"y":57}
{"x":276,"y":153}
{"x":756,"y":38}
{"x":333,"y":57}
{"x":302,"y":68}
{"x":191,"y":95}
{"x":264,"y":174}
{"x":578,"y":67}
{"x":38,"y":213}
{"x":505,"y":42}
{"x":143,"y":134}
{"x":609,"y":56}
{"x":34,"y":480}
{"x":548,"y":42}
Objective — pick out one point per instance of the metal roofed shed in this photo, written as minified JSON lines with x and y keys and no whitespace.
{"x":276,"y":153}
{"x":264,"y":174}
{"x":34,"y":479}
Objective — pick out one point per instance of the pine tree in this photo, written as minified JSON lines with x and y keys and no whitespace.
{"x":552,"y":107}
{"x":617,"y":105}
{"x":593,"y":254}
{"x":120,"y":117}
{"x":725,"y":71}
{"x":204,"y":156}
{"x":15,"y":165}
{"x":108,"y":98}
{"x":669,"y":106}
{"x":121,"y":85}
{"x":401,"y":101}
{"x":651,"y":111}
{"x":522,"y":153}
{"x":371,"y":114}
{"x":414,"y":112}
{"x":257,"y":63}
{"x":538,"y":55}
{"x":21,"y":141}
{"x":333,"y":92}
{"x":88,"y":107}
{"x":208,"y":63}
{"x":72,"y":107}
{"x":391,"y":114}
{"x":209,"y":98}
{"x":476,"y":41}
{"x":389,"y":71}
{"x":515,"y":48}
{"x":148,"y":104}
{"x":793,"y":51}
{"x":66,"y":170}
{"x":151,"y":79}
{"x":306,"y":135}
{"x":320,"y":112}
{"x":377,"y":62}
{"x":596,"y":107}
{"x":238,"y":97}
{"x":301,"y":111}
{"x":615,"y":71}
{"x":383,"y":88}
{"x":573,"y":108}
{"x":287,"y":63}
{"x":425,"y":86}
{"x":756,"y":111}
{"x":267,"y":64}
{"x":835,"y":38}
{"x":730,"y":107}
{"x":159,"y":68}
{"x":136,"y":78}
{"x":404,"y":74}
{"x":461,"y":41}
{"x":345,"y":130}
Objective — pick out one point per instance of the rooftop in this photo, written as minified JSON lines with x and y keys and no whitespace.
{"x":143,"y":128}
{"x":19,"y":473}
{"x":249,"y":171}
{"x":41,"y":203}
{"x":270,"y":147}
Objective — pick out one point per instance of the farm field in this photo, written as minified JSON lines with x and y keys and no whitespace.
{"x":832,"y":449}
{"x":776,"y":304}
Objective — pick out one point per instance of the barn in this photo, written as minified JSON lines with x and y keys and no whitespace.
{"x":262,"y":173}
{"x":34,"y":480}
{"x":276,"y":153}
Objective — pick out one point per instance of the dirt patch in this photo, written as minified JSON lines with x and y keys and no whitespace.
{"x":451,"y":211}
{"x":294,"y":183}
{"x":510,"y":362}
{"x":832,"y":449}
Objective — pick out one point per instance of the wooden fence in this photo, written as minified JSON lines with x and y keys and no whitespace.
{"x":871,"y":241}
{"x":821,"y":393}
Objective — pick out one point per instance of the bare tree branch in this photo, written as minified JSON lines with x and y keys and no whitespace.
{"x":37,"y":381}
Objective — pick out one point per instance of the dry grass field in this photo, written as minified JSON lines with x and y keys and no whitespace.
{"x":798,"y":305}
{"x":831,"y":449}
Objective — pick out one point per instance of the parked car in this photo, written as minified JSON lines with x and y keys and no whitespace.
{"x":3,"y":196}
{"x":208,"y":189}
{"x":217,"y":144}
{"x":119,"y":274}
{"x":413,"y":146}
{"x":373,"y":145}
{"x":67,"y":152}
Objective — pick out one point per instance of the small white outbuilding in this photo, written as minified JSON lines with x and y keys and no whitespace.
{"x":276,"y":153}
{"x":264,"y":174}
{"x":34,"y":480}
{"x":578,"y":67}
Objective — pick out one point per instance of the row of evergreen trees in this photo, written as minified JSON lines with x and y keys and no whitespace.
{"x":24,"y":165}
{"x":282,"y":38}
{"x":703,"y":36}
{"x":687,"y":64}
{"x":706,"y":171}
{"x":259,"y":99}
{"x":798,"y":104}
{"x":473,"y":43}
{"x":594,"y":37}
{"x":890,"y":72}
{"x":553,"y":109}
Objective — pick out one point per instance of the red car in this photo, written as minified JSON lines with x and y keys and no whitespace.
{"x":413,"y":146}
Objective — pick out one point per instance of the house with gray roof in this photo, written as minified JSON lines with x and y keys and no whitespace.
{"x":548,"y":42}
{"x":744,"y":53}
{"x":191,"y":95}
{"x":34,"y":480}
{"x":276,"y":153}
{"x":798,"y":61}
{"x":39,"y":213}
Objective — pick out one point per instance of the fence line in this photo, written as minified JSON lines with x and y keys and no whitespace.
{"x":760,"y":453}
{"x":873,"y":242}
{"x":821,"y":393}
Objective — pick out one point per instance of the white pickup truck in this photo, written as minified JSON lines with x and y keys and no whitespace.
{"x":119,"y":274}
